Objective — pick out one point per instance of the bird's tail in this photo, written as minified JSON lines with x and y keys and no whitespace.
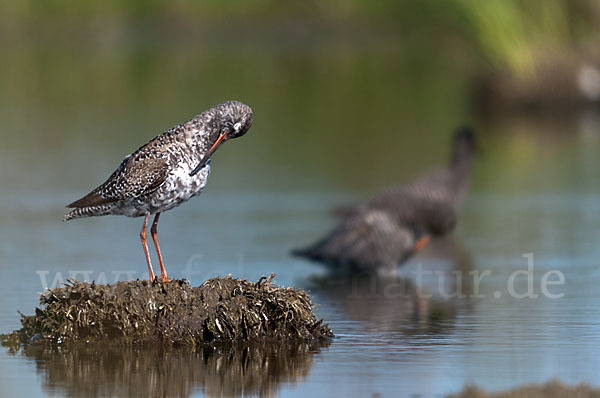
{"x":89,"y":211}
{"x":299,"y":252}
{"x":313,"y":252}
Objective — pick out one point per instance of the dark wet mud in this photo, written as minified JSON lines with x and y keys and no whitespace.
{"x":219,"y":310}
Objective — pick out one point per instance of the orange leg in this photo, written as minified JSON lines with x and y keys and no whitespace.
{"x":144,"y":237}
{"x":163,"y":272}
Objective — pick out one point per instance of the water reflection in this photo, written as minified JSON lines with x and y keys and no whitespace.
{"x":222,"y":371}
{"x":424,"y":297}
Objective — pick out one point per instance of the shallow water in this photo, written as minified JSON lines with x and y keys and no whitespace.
{"x":336,"y":119}
{"x":392,"y":338}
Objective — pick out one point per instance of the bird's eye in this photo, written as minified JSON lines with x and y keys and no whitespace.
{"x":237,"y":126}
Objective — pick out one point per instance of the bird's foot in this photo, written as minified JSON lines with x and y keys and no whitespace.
{"x":163,"y":278}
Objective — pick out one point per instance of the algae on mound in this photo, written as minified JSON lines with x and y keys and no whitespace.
{"x":221,"y":309}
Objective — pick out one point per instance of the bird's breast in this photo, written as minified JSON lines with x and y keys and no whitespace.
{"x":180,"y":186}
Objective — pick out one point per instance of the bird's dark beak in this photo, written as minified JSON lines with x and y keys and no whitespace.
{"x":206,"y":157}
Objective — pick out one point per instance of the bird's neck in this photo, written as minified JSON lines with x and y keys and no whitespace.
{"x":460,"y":172}
{"x":197,"y":139}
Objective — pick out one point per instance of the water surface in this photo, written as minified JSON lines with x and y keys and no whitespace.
{"x":330,"y":128}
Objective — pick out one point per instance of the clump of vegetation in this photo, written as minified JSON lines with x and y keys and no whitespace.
{"x":553,"y":388}
{"x":221,"y":309}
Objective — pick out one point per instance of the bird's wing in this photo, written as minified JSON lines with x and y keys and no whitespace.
{"x":426,"y":207}
{"x":368,"y":239}
{"x":136,"y":176}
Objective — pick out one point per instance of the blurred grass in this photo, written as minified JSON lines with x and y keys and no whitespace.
{"x":503,"y":31}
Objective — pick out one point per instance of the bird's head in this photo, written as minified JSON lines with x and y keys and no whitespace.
{"x":232,"y":119}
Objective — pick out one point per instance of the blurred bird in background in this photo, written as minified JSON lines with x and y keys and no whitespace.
{"x":396,"y":223}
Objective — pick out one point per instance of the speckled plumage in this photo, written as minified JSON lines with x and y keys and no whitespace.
{"x":167,"y":171}
{"x":156,"y":177}
{"x":384,"y":232}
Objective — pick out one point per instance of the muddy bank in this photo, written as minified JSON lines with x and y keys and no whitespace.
{"x":560,"y":81}
{"x":553,"y":388}
{"x":221,"y":309}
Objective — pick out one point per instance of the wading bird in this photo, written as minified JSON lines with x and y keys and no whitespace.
{"x":165,"y":172}
{"x":397,"y":222}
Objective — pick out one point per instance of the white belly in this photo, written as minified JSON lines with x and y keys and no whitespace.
{"x":177,"y":188}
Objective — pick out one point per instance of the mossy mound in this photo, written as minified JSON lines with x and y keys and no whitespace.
{"x":221,"y":309}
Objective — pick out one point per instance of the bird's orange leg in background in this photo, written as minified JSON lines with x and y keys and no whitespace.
{"x":144,"y":237}
{"x":163,"y":272}
{"x":422,"y":242}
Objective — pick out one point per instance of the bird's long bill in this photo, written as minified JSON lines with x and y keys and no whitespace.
{"x":206,"y":157}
